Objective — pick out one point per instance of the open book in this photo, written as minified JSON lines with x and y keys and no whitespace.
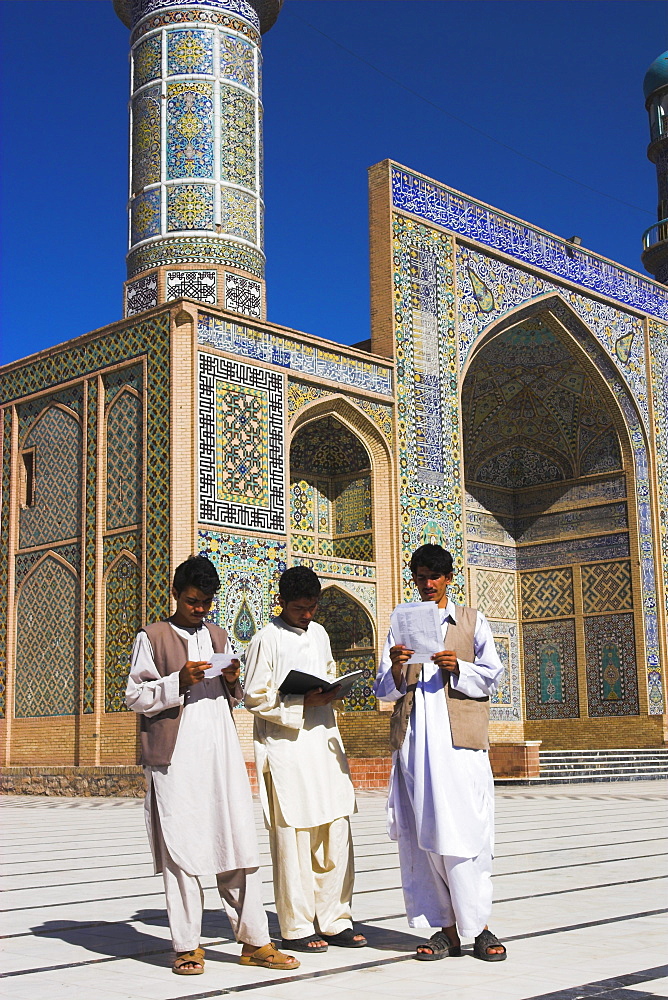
{"x":298,"y":682}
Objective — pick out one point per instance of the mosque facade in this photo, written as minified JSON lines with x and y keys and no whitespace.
{"x":511,"y":404}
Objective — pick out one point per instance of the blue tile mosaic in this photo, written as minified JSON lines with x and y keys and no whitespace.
{"x":440,"y":205}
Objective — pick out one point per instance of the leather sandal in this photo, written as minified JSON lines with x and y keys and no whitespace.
{"x":345,"y":939}
{"x":487,"y":940}
{"x":269,"y":957}
{"x":304,"y":943}
{"x":195,"y":957}
{"x":440,"y":948}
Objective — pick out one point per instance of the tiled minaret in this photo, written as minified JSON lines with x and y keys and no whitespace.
{"x":195,"y":201}
{"x":655,"y":239}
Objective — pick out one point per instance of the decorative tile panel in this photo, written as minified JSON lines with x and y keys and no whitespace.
{"x":238,"y":138}
{"x":547,"y":595}
{"x":362,"y":698}
{"x":243,"y":295}
{"x":302,"y":507}
{"x":123,"y":621}
{"x":212,"y":11}
{"x":467,"y":217}
{"x":200,"y":285}
{"x":580,"y":521}
{"x":249,"y":570}
{"x":145,"y":216}
{"x":658,"y":337}
{"x":124,"y":449}
{"x":146,"y":138}
{"x":141,"y":294}
{"x":612,"y":678}
{"x":335,"y":567}
{"x":238,"y":215}
{"x":241,"y":472}
{"x":190,"y":206}
{"x":495,"y":594}
{"x":189,"y":51}
{"x":287,"y":352}
{"x":197,"y":15}
{"x":237,"y":61}
{"x":55,"y":515}
{"x":505,"y":702}
{"x":146,"y":61}
{"x":6,"y":422}
{"x":47,"y":647}
{"x":352,"y":506}
{"x":195,"y":249}
{"x":189,"y":131}
{"x":607,"y":587}
{"x":550,"y":670}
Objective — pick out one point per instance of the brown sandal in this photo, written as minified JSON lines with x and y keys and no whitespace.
{"x":269,"y":957}
{"x":195,"y":957}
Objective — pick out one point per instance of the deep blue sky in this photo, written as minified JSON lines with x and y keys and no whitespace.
{"x":559,"y":81}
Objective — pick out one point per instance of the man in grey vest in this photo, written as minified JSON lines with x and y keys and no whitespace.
{"x":441,"y":798}
{"x":199,"y":811}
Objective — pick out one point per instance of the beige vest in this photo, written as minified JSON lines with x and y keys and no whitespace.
{"x":469,"y":717}
{"x":157,"y":734}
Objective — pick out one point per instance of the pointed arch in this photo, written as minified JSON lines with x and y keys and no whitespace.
{"x":54,"y":440}
{"x":351,"y":633}
{"x":123,"y":435}
{"x":47,"y":672}
{"x":122,"y":617}
{"x":602,"y":498}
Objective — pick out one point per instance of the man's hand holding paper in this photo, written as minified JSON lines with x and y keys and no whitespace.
{"x":417,"y":627}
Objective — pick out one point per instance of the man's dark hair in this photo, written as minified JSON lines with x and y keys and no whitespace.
{"x":297,"y":583}
{"x":433,"y":557}
{"x":199,"y":572}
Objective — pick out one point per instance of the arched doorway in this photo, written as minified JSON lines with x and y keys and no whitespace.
{"x":351,"y":635}
{"x":330,"y":492}
{"x":551,"y":536}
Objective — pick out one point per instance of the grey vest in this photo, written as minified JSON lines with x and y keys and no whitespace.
{"x":157,"y":734}
{"x":469,"y":717}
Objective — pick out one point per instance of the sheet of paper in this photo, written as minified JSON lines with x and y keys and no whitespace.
{"x":219,"y":661}
{"x":418,"y":627}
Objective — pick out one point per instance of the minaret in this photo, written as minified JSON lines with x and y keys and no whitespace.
{"x":655,"y":239}
{"x":195,"y":201}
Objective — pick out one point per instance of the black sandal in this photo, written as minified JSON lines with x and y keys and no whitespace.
{"x":487,"y":940}
{"x":305,"y":943}
{"x":440,"y":948}
{"x":345,"y":939}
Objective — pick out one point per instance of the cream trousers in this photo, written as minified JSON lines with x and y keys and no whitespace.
{"x":240,"y":893}
{"x":313,"y":874}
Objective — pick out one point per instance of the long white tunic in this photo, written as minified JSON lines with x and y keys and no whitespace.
{"x":449,"y":789}
{"x":203,"y":798}
{"x":299,"y":747}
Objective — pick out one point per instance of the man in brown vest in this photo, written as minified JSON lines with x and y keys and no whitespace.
{"x":441,"y":797}
{"x":199,"y":811}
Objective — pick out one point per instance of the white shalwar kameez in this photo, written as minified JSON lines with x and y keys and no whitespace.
{"x":199,"y":809}
{"x":441,"y":798}
{"x":305,"y":787}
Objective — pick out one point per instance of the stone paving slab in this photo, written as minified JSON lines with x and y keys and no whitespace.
{"x":580,"y":901}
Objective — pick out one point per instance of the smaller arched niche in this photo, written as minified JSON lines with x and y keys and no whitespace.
{"x":330,"y":492}
{"x":351,"y":635}
{"x":123,"y":620}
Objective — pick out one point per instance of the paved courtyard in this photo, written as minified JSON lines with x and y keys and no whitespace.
{"x":580,"y":901}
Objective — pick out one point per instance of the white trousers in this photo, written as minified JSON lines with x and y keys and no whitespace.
{"x":441,"y":891}
{"x":313,"y":874}
{"x":240,"y":892}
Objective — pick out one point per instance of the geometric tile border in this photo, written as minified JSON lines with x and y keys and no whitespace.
{"x":254,"y":431}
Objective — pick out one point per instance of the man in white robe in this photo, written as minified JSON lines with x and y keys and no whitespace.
{"x":305,"y":787}
{"x":198,"y":810}
{"x":441,"y":796}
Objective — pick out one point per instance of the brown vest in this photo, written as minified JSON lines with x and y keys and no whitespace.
{"x":157,"y":733}
{"x":469,"y":717}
